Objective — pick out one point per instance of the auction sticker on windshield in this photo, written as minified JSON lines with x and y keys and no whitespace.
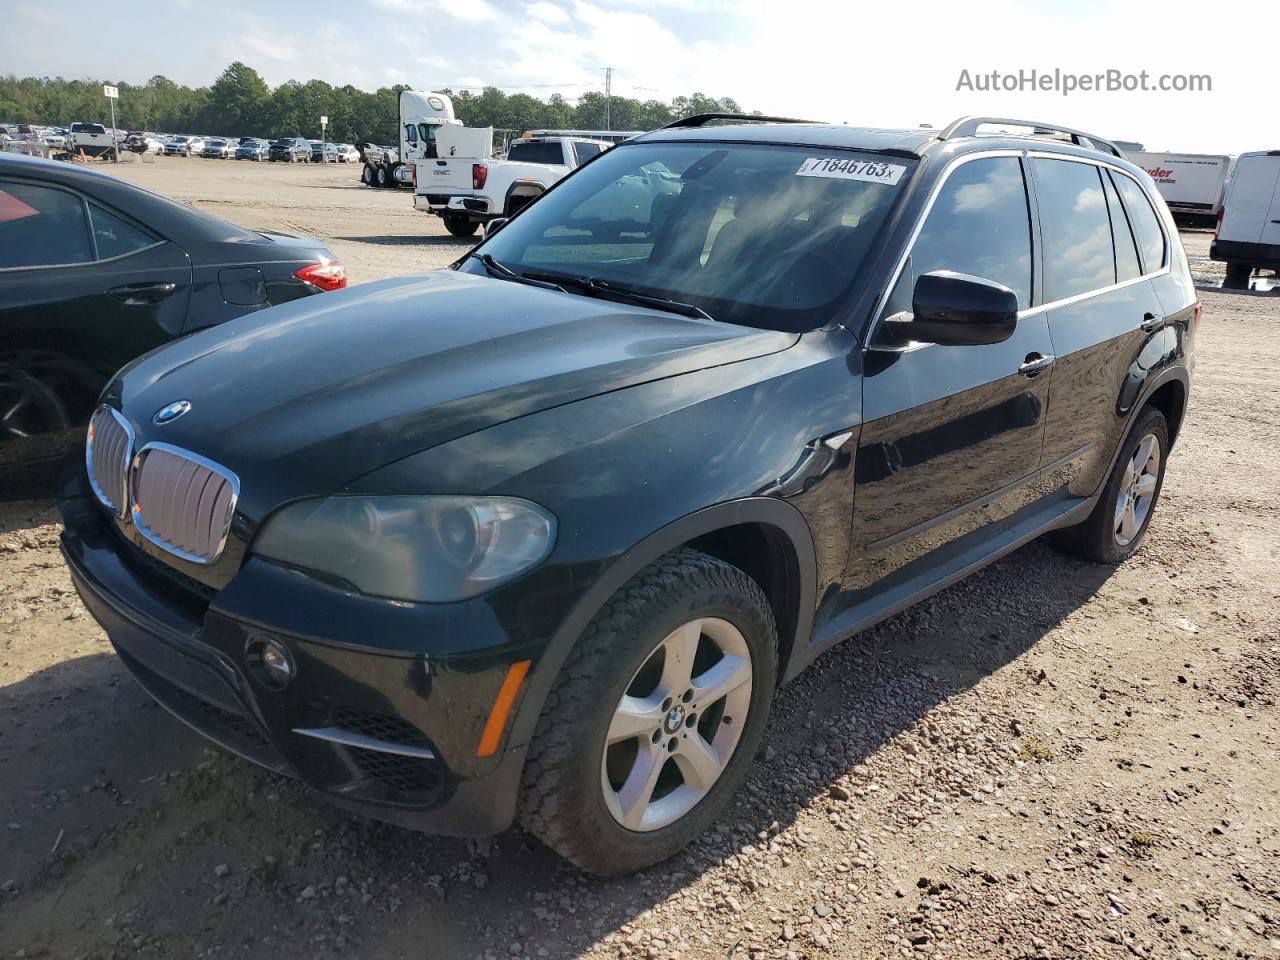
{"x":846,"y":168}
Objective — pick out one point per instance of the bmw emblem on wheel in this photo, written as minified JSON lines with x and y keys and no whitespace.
{"x":172,"y":411}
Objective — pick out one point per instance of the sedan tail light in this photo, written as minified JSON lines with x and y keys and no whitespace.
{"x":326,"y":276}
{"x":479,"y":174}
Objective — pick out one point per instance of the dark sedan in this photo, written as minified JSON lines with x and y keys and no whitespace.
{"x":95,"y":272}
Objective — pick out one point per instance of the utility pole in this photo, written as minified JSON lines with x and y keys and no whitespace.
{"x":608,"y":98}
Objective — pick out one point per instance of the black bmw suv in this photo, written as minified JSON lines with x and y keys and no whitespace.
{"x":539,"y":535}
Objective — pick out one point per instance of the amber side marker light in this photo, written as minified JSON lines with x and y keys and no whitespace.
{"x":501,"y":708}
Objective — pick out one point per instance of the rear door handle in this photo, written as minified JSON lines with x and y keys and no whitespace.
{"x":138,"y":293}
{"x":1036,"y":363}
{"x":1151,"y":322}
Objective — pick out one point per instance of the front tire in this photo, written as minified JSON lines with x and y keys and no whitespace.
{"x":1115,"y":529}
{"x":653,"y":722}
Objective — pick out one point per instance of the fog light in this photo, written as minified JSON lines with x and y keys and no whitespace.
{"x":269,"y":663}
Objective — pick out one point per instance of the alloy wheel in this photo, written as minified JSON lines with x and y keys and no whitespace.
{"x":1137,"y":490}
{"x":677,"y":724}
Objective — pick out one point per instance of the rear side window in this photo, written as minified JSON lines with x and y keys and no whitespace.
{"x":979,"y":225}
{"x":585,"y":151}
{"x":1146,"y":227}
{"x":41,"y":226}
{"x":1078,"y":254}
{"x":411,"y":133}
{"x":1127,"y":266}
{"x":116,"y":237}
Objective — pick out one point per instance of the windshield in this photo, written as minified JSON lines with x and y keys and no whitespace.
{"x":770,"y":236}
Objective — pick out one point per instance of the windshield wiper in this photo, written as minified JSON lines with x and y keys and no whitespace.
{"x":495,"y":268}
{"x":604,"y":289}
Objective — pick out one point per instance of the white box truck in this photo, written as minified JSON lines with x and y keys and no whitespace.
{"x":1191,"y":183}
{"x":1248,"y":236}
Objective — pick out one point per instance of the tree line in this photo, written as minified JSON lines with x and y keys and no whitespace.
{"x":240,"y":103}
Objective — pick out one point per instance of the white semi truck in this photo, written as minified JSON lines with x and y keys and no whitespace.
{"x":1191,"y":183}
{"x":421,"y":117}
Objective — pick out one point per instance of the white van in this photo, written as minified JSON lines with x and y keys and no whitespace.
{"x":1248,"y":234}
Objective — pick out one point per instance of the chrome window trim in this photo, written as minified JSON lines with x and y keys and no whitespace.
{"x":86,"y":263}
{"x":1029,"y":311}
{"x":120,"y":507}
{"x":135,"y":509}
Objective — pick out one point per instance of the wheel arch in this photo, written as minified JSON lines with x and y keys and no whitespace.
{"x":522,"y":188}
{"x":730,"y":531}
{"x":1170,"y":398}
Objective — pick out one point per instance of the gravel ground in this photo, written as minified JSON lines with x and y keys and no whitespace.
{"x":1050,"y":759}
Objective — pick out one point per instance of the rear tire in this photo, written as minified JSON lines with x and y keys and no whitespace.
{"x":1114,"y":531}
{"x":368,"y":177}
{"x":687,"y":646}
{"x":460,"y":226}
{"x":383,"y":179}
{"x":1238,"y":275}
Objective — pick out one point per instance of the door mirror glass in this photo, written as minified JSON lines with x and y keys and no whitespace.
{"x":493,"y":226}
{"x":956,"y":309}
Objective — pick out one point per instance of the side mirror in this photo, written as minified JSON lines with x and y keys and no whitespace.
{"x":957,"y":310}
{"x":493,"y":226}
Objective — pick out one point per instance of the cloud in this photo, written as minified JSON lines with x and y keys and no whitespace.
{"x":276,"y":48}
{"x":470,"y":11}
{"x":547,"y":12}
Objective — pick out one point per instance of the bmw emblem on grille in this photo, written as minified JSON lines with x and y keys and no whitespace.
{"x":172,"y":411}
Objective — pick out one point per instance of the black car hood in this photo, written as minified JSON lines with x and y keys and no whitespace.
{"x":303,"y":398}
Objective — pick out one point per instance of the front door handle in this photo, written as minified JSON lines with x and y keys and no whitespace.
{"x":138,"y":293}
{"x":1151,"y":322}
{"x":1036,"y":364}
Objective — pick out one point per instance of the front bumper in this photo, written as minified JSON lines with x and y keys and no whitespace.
{"x":388,"y":735}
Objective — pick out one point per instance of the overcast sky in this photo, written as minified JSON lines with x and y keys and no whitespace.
{"x":870,"y":63}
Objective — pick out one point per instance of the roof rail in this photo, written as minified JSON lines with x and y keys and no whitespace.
{"x":702,"y":119}
{"x":968,"y":127}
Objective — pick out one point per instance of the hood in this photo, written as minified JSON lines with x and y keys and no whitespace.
{"x":302,"y":398}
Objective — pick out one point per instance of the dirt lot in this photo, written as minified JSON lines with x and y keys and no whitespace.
{"x":1051,"y":759}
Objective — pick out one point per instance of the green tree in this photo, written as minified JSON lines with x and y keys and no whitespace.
{"x":237,"y":101}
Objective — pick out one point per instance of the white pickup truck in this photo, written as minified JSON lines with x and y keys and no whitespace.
{"x":92,"y":139}
{"x":465,"y":186}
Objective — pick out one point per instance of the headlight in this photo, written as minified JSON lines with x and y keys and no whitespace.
{"x":430,"y":549}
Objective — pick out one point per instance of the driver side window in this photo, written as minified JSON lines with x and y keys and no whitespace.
{"x":979,"y":224}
